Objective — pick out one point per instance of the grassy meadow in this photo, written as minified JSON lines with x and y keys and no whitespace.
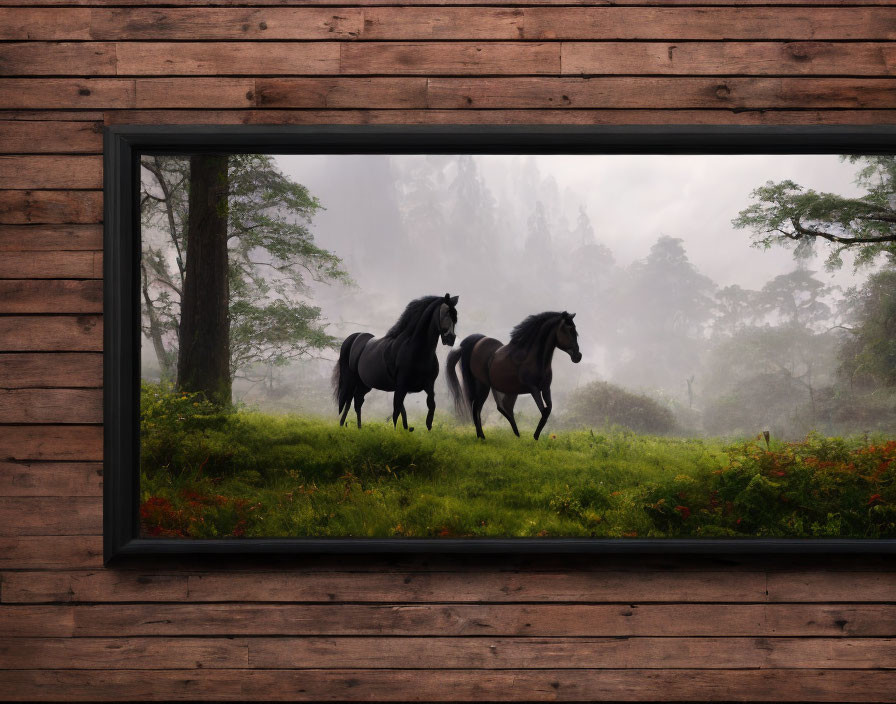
{"x":209,"y":474}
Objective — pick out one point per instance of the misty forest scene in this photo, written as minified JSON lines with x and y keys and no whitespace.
{"x":460,"y":346}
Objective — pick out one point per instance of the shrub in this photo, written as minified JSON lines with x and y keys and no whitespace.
{"x":600,"y":404}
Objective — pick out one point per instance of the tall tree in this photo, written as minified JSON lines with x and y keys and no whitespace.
{"x":203,"y":360}
{"x":269,"y":256}
{"x":786,"y":213}
{"x":868,"y":355}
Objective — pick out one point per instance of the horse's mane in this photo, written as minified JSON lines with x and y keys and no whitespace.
{"x":526,"y":333}
{"x":412,"y":313}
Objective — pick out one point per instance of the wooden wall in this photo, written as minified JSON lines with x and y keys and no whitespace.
{"x":649,"y":628}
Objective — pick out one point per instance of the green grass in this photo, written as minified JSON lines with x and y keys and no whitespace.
{"x":211,"y":474}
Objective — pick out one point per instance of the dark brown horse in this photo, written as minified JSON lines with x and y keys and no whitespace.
{"x":522,"y":366}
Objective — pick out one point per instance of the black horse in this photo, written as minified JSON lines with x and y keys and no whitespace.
{"x":523,"y":366}
{"x":403,"y":361}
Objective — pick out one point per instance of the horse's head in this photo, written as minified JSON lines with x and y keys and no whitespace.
{"x":448,"y":319}
{"x":568,"y":337}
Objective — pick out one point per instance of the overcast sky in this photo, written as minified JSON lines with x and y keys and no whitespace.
{"x":634,"y":199}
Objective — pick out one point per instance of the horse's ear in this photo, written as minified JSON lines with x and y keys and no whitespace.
{"x":447,"y":298}
{"x":453,"y":300}
{"x":572,"y":315}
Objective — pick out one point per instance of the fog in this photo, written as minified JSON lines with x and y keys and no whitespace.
{"x":515,"y":235}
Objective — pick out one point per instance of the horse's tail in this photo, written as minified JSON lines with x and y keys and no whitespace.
{"x":463,"y":396}
{"x":343,"y":378}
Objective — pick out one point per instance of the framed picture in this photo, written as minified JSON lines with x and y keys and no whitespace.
{"x":499,"y":339}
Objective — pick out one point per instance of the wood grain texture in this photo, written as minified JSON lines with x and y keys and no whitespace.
{"x":26,"y":333}
{"x":50,"y":238}
{"x":413,"y":627}
{"x":18,"y":207}
{"x":76,"y":406}
{"x":54,"y":296}
{"x":51,"y":370}
{"x":453,"y":685}
{"x":61,"y":479}
{"x":464,"y":23}
{"x":55,"y":136}
{"x":299,"y":585}
{"x":484,"y":653}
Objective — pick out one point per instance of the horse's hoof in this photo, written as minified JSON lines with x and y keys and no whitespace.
{"x":410,"y":430}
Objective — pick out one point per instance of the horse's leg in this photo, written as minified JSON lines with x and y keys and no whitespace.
{"x":348,"y":407}
{"x":544,"y":407}
{"x":505,"y":403}
{"x":360,"y":393}
{"x":480,"y":394}
{"x":398,"y":408}
{"x":430,"y":405}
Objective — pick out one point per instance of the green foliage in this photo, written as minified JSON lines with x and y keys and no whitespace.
{"x":820,"y":487}
{"x":209,"y":474}
{"x":600,"y":404}
{"x":271,"y":253}
{"x":786,"y":213}
{"x":868,"y":355}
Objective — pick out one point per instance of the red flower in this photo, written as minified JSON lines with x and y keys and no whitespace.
{"x":875,"y":499}
{"x":684,"y":511}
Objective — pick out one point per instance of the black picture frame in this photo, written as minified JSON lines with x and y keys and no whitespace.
{"x":122,"y":147}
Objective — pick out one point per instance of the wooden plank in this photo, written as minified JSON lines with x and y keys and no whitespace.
{"x":68,"y":93}
{"x":68,"y":172}
{"x":51,"y":442}
{"x":48,"y":515}
{"x":56,"y":136}
{"x":51,"y":296}
{"x":50,"y":207}
{"x":50,"y":264}
{"x":48,"y":621}
{"x":75,"y":406}
{"x":340,"y":24}
{"x":721,"y":58}
{"x":120,"y":653}
{"x":46,"y":333}
{"x":535,"y":620}
{"x":194,"y":93}
{"x":519,"y":116}
{"x":451,"y":653}
{"x":411,"y":587}
{"x":53,"y":115}
{"x":618,"y":92}
{"x":434,"y":58}
{"x":453,"y":685}
{"x":48,"y":553}
{"x":51,"y":370}
{"x":466,"y":23}
{"x":582,"y":653}
{"x":341,"y":92}
{"x":438,"y":58}
{"x":44,"y":23}
{"x":455,"y":93}
{"x":627,"y":23}
{"x":50,"y":479}
{"x":31,"y":238}
{"x":808,"y":586}
{"x":57,"y":58}
{"x":280,"y":58}
{"x":212,"y":58}
{"x":443,"y":620}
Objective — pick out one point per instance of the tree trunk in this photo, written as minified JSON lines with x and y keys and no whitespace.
{"x":163,"y":356}
{"x":203,"y":362}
